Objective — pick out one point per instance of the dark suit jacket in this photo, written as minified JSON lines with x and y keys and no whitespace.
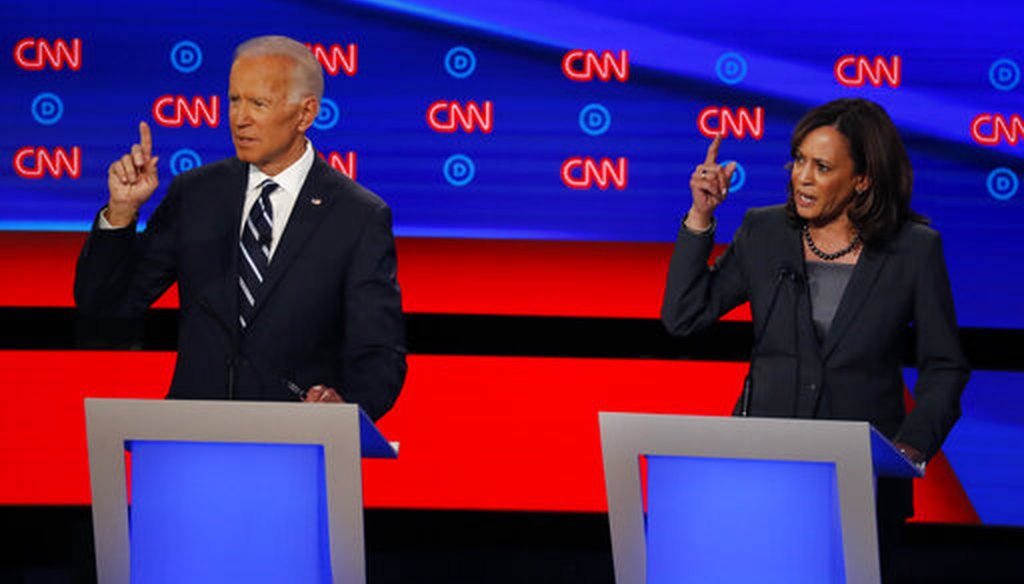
{"x":897,"y":289}
{"x":329,"y":310}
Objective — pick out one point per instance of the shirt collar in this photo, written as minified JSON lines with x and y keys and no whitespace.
{"x":289,"y":179}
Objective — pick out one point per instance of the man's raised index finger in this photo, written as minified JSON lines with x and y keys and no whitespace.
{"x":713,"y":150}
{"x":145,"y":139}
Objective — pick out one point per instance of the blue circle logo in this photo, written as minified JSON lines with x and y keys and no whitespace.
{"x":595,"y":119}
{"x":186,"y":56}
{"x":460,"y":62}
{"x":328,"y":116}
{"x":1004,"y":74}
{"x":739,"y":176}
{"x":47,"y":108}
{"x":1002,"y":184}
{"x":731,"y":68}
{"x":459,"y":170}
{"x":185,"y":160}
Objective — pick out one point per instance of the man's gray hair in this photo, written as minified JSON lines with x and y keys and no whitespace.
{"x":307,"y":75}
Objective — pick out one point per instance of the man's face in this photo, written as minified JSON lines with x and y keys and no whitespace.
{"x":268,"y":129}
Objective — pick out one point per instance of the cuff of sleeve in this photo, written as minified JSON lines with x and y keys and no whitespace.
{"x":710,"y":230}
{"x":101,"y":220}
{"x":103,"y":225}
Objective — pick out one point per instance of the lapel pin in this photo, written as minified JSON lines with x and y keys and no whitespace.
{"x":316,"y":201}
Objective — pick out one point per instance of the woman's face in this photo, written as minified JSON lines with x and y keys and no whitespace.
{"x":823,"y":177}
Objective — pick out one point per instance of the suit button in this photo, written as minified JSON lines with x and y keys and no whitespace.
{"x":813,"y":387}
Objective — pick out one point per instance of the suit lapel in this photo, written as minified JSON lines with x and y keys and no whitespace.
{"x":863,"y":279}
{"x":227,"y":199}
{"x":310,"y":209}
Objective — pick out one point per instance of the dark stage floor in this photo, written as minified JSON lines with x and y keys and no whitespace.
{"x":51,"y":545}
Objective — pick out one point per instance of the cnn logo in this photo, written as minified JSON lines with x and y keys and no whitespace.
{"x":34,"y":162}
{"x":581,"y":65}
{"x":585,"y":173}
{"x":172,"y":111}
{"x":343,"y":163}
{"x":991,"y":129}
{"x":855,"y":71}
{"x":337,"y":59}
{"x":35,"y":54}
{"x":449,"y":116}
{"x":714,"y":121}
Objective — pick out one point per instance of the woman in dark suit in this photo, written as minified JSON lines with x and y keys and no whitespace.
{"x":837,"y":278}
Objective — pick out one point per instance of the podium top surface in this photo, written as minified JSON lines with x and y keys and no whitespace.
{"x":236,"y":421}
{"x":752,"y":437}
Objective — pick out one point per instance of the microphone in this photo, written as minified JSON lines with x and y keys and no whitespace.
{"x":785,"y":273}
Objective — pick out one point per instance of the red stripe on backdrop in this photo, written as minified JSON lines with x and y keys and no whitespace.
{"x":501,"y":433}
{"x":456,"y":276}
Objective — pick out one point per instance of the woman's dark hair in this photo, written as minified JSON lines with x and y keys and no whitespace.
{"x":878,"y":153}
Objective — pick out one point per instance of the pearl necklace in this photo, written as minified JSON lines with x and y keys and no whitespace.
{"x":828,"y":257}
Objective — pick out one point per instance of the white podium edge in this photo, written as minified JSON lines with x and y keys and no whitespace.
{"x":110,"y":423}
{"x":625,"y":437}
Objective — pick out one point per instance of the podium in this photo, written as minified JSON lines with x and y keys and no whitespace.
{"x":744,"y":499}
{"x":228,"y":491}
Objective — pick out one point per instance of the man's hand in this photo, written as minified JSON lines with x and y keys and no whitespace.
{"x":131,"y":180}
{"x":709,"y":186}
{"x":322,"y":393}
{"x":913,"y":454}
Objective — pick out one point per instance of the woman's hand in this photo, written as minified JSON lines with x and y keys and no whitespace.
{"x":709,"y":186}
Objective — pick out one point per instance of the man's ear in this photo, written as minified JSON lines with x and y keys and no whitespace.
{"x":309,"y":107}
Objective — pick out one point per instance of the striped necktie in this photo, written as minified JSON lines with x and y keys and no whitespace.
{"x":255,"y":247}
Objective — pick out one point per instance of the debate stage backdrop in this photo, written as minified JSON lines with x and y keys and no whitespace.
{"x":536,"y":155}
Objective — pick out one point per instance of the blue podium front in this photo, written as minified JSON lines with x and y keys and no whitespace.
{"x":206,"y":512}
{"x":759,"y":521}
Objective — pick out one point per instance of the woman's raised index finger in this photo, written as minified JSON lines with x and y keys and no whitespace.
{"x":712,"y":156}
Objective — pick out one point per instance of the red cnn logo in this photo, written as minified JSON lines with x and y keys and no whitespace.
{"x":34,"y":54}
{"x":336,"y":59}
{"x":467,"y":117}
{"x":854,"y":71}
{"x":736,"y":124}
{"x":580,"y":65}
{"x":346,"y":164}
{"x":32,"y":162}
{"x":990,"y":129}
{"x":172,"y":111}
{"x":584,"y":173}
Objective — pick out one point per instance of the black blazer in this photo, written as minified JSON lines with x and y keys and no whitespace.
{"x":329,"y":311}
{"x":897,"y":289}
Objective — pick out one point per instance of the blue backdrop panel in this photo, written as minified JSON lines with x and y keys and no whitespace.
{"x":216,"y":512}
{"x":956,"y":99}
{"x":725,"y":520}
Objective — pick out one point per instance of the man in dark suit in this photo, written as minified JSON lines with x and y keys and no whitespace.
{"x":286,"y":268}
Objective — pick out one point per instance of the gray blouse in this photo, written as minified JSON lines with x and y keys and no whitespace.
{"x":827,"y":281}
